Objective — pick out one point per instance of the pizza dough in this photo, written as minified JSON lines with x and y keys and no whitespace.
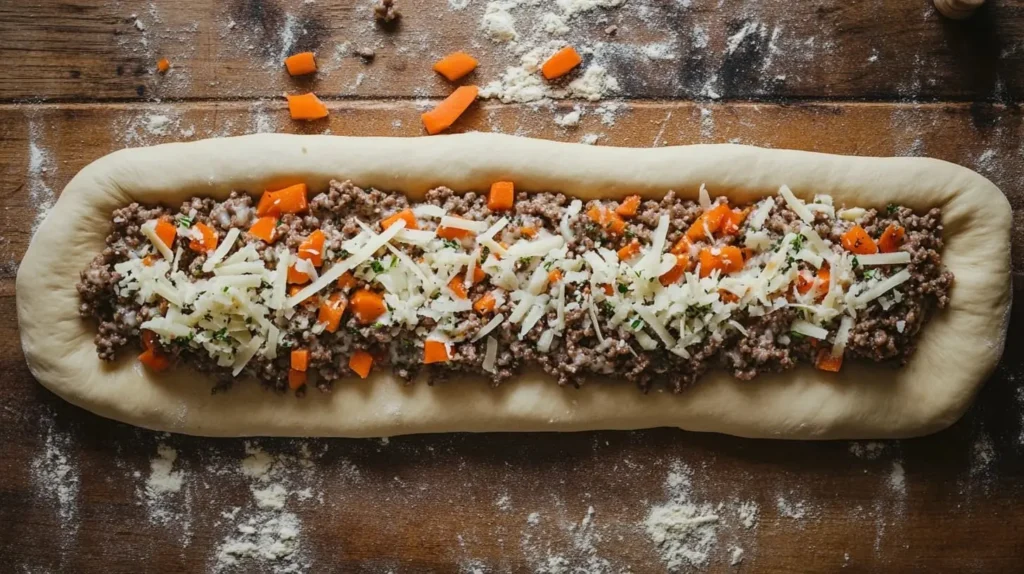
{"x":957,"y":351}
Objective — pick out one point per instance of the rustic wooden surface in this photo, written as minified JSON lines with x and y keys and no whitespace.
{"x":76,"y":83}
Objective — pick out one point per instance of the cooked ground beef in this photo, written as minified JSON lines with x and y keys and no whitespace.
{"x":885,"y":330}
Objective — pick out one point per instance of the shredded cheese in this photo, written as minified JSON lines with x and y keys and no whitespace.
{"x":796,"y":205}
{"x":222,"y":249}
{"x":894,"y":258}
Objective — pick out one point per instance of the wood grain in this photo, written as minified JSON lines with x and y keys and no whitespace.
{"x":79,"y":50}
{"x":432,"y":503}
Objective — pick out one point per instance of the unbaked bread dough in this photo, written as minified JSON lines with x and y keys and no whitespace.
{"x":958,"y":349}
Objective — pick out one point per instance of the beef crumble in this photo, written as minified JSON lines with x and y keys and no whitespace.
{"x":884,"y":330}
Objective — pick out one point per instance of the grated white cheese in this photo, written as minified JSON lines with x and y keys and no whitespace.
{"x":842,"y":336}
{"x":222,"y":249}
{"x":894,"y":258}
{"x":809,"y":329}
{"x":490,"y":355}
{"x":149,"y":230}
{"x":881,"y":288}
{"x":796,"y":205}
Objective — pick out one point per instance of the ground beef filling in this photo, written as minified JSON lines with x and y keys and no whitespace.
{"x":883,"y":331}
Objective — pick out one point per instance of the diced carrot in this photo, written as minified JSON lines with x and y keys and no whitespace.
{"x":306,"y":107}
{"x":435,"y":352}
{"x":166,"y":231}
{"x":607,"y":219}
{"x":331,"y":311}
{"x":804,"y":282}
{"x":444,"y":115}
{"x":891,"y":239}
{"x":727,"y":296}
{"x":711,"y":219}
{"x":154,"y":360}
{"x":265,"y":229}
{"x":312,"y":249}
{"x":485,"y":304}
{"x":296,"y":379}
{"x":827,"y":362}
{"x":163,"y":65}
{"x":458,"y":286}
{"x":607,"y":288}
{"x":148,"y":260}
{"x":209,"y":241}
{"x":629,"y":251}
{"x":732,"y":220}
{"x":629,"y":206}
{"x":367,"y":306}
{"x":291,"y":199}
{"x":297,"y":277}
{"x":857,"y":241}
{"x":361,"y":362}
{"x":561,"y":63}
{"x":293,"y":290}
{"x":502,"y":196}
{"x":453,"y":232}
{"x":727,"y":259}
{"x":346,"y":281}
{"x":676,"y":273}
{"x":528,"y":231}
{"x":406,"y":214}
{"x":478,"y":275}
{"x":682,"y":247}
{"x":149,"y":339}
{"x":555,"y":276}
{"x":455,"y":65}
{"x":300,"y":64}
{"x":300,"y":359}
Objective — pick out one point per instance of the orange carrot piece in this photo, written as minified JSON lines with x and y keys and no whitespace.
{"x":148,"y":260}
{"x":331,"y":311}
{"x":712,"y":219}
{"x":727,"y":296}
{"x":296,"y":379}
{"x":676,"y":273}
{"x":291,"y":199}
{"x":607,"y":288}
{"x":149,"y":339}
{"x":827,"y":362}
{"x":265,"y":229}
{"x":607,"y":219}
{"x":455,"y":65}
{"x":502,"y":197}
{"x":727,"y":260}
{"x":367,"y":306}
{"x":406,"y":214}
{"x":209,"y":241}
{"x":297,"y":277}
{"x":458,"y":287}
{"x":435,"y":352}
{"x":629,"y":206}
{"x":555,"y":276}
{"x":306,"y":107}
{"x":732,"y":220}
{"x":485,"y":304}
{"x":300,"y":359}
{"x":857,"y":241}
{"x":300,"y":64}
{"x":561,"y":63}
{"x":154,"y":360}
{"x":682,"y":247}
{"x":453,"y":232}
{"x":361,"y":362}
{"x":312,"y":249}
{"x":891,"y":239}
{"x":629,"y":251}
{"x":444,"y":115}
{"x":478,"y":275}
{"x":163,"y":65}
{"x":528,"y":231}
{"x":166,"y":231}
{"x":346,"y":281}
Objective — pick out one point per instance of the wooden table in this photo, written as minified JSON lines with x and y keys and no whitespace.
{"x":866,"y":78}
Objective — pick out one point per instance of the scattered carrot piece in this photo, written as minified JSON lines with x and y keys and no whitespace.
{"x":453,"y":232}
{"x":478,"y":275}
{"x":455,"y":65}
{"x":727,"y":260}
{"x":732,"y":220}
{"x":209,"y":241}
{"x":148,"y":260}
{"x":607,"y":288}
{"x":406,"y":214}
{"x":300,"y":64}
{"x":367,"y":306}
{"x":154,"y":360}
{"x":629,"y":251}
{"x":485,"y":304}
{"x":149,"y":339}
{"x":502,"y":197}
{"x":291,"y":199}
{"x":346,"y":281}
{"x":166,"y":231}
{"x":435,"y":352}
{"x":804,"y":284}
{"x":296,"y":379}
{"x":629,"y":206}
{"x":711,"y":220}
{"x":163,"y":65}
{"x":361,"y":362}
{"x":300,"y":359}
{"x":827,"y":362}
{"x":682,"y":247}
{"x":891,"y":238}
{"x":458,"y":287}
{"x":857,"y":241}
{"x":297,"y":277}
{"x":306,"y":107}
{"x":444,"y":115}
{"x":555,"y":276}
{"x":265,"y":229}
{"x":331,"y":311}
{"x":561,"y":63}
{"x":312,"y":249}
{"x":528,"y":231}
{"x":727,"y":296}
{"x":607,"y":219}
{"x":677,"y":272}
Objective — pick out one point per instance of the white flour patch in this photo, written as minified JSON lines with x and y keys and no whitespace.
{"x":983,"y":455}
{"x":458,"y":4}
{"x":161,"y":492}
{"x":577,"y":553}
{"x":498,"y":22}
{"x":609,"y":112}
{"x":867,"y":450}
{"x":56,"y":478}
{"x":897,"y":480}
{"x":748,"y":512}
{"x":590,"y":139}
{"x":707,"y":124}
{"x":151,"y":127}
{"x":571,"y":119}
{"x":262,"y":120}
{"x":40,"y":167}
{"x":504,"y":503}
{"x":790,"y":509}
{"x":735,"y":555}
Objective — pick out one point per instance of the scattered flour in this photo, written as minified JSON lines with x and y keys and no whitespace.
{"x":533,"y":519}
{"x":524,"y":83}
{"x":898,"y":480}
{"x":748,"y":512}
{"x":983,"y":454}
{"x":788,"y":509}
{"x":571,"y":119}
{"x":590,"y":139}
{"x":40,"y":167}
{"x":735,"y":555}
{"x":867,"y":450}
{"x":162,"y":486}
{"x":609,"y":112}
{"x":504,"y":503}
{"x":498,"y":22}
{"x":458,"y":4}
{"x":55,"y":476}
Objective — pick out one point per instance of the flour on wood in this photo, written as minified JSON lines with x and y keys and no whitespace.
{"x":40,"y":168}
{"x":162,"y":487}
{"x":56,"y":477}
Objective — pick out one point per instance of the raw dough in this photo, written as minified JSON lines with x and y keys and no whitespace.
{"x":958,"y":349}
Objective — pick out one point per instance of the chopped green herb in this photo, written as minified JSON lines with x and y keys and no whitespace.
{"x":221,"y":335}
{"x":891,"y":209}
{"x":378,"y":325}
{"x":870,"y":274}
{"x":607,"y":307}
{"x":344,"y":254}
{"x":452,"y":244}
{"x":185,"y":220}
{"x":623,"y":288}
{"x":856,"y":263}
{"x":630,"y":234}
{"x":796,"y":335}
{"x":435,"y":295}
{"x":548,"y":265}
{"x":225,"y":289}
{"x":637,"y":324}
{"x":524,"y":260}
{"x":279,"y":223}
{"x":697,"y":310}
{"x":798,"y":242}
{"x":376,"y":266}
{"x":486,"y":251}
{"x":394,"y":261}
